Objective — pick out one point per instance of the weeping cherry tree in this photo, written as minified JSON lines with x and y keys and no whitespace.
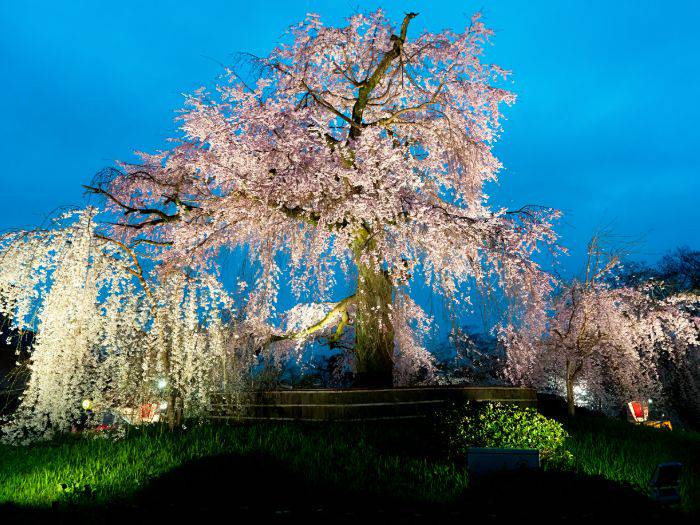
{"x":357,"y":150}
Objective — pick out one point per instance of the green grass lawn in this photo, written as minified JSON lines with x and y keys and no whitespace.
{"x":399,"y":464}
{"x":627,"y":453}
{"x":349,"y":454}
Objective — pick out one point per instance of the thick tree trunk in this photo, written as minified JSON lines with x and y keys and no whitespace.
{"x":374,"y":333}
{"x":571,"y":406}
{"x":174,"y":411}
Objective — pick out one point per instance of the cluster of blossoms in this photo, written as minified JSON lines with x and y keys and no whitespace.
{"x":107,"y":333}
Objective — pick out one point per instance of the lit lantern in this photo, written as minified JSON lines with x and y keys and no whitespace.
{"x":87,"y":404}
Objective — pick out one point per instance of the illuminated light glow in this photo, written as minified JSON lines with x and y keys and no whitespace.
{"x":162,"y":383}
{"x":580,"y":391}
{"x":87,"y":404}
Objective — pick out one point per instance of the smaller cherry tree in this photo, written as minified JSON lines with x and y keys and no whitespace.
{"x":602,"y":340}
{"x":109,"y":332}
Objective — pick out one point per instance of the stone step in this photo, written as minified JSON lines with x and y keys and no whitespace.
{"x":362,"y":404}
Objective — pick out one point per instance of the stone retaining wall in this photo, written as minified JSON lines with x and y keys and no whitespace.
{"x":365,"y":404}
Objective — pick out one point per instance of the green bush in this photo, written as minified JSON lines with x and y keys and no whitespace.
{"x":501,"y":425}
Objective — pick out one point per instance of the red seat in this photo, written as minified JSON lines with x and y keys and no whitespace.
{"x":637,"y":409}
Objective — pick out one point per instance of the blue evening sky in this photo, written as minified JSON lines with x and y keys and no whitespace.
{"x":605,"y":127}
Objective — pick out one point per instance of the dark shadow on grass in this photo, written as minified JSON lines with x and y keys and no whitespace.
{"x":565,"y":496}
{"x":253,"y":487}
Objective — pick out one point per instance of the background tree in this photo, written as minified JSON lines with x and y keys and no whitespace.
{"x":352,"y":148}
{"x":678,"y":271}
{"x":676,"y":278}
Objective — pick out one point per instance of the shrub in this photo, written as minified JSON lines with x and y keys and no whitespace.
{"x":505,"y":426}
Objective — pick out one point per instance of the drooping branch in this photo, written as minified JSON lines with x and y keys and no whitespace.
{"x":163,"y":217}
{"x":296,"y":212}
{"x":137,"y":269}
{"x":341,"y":308}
